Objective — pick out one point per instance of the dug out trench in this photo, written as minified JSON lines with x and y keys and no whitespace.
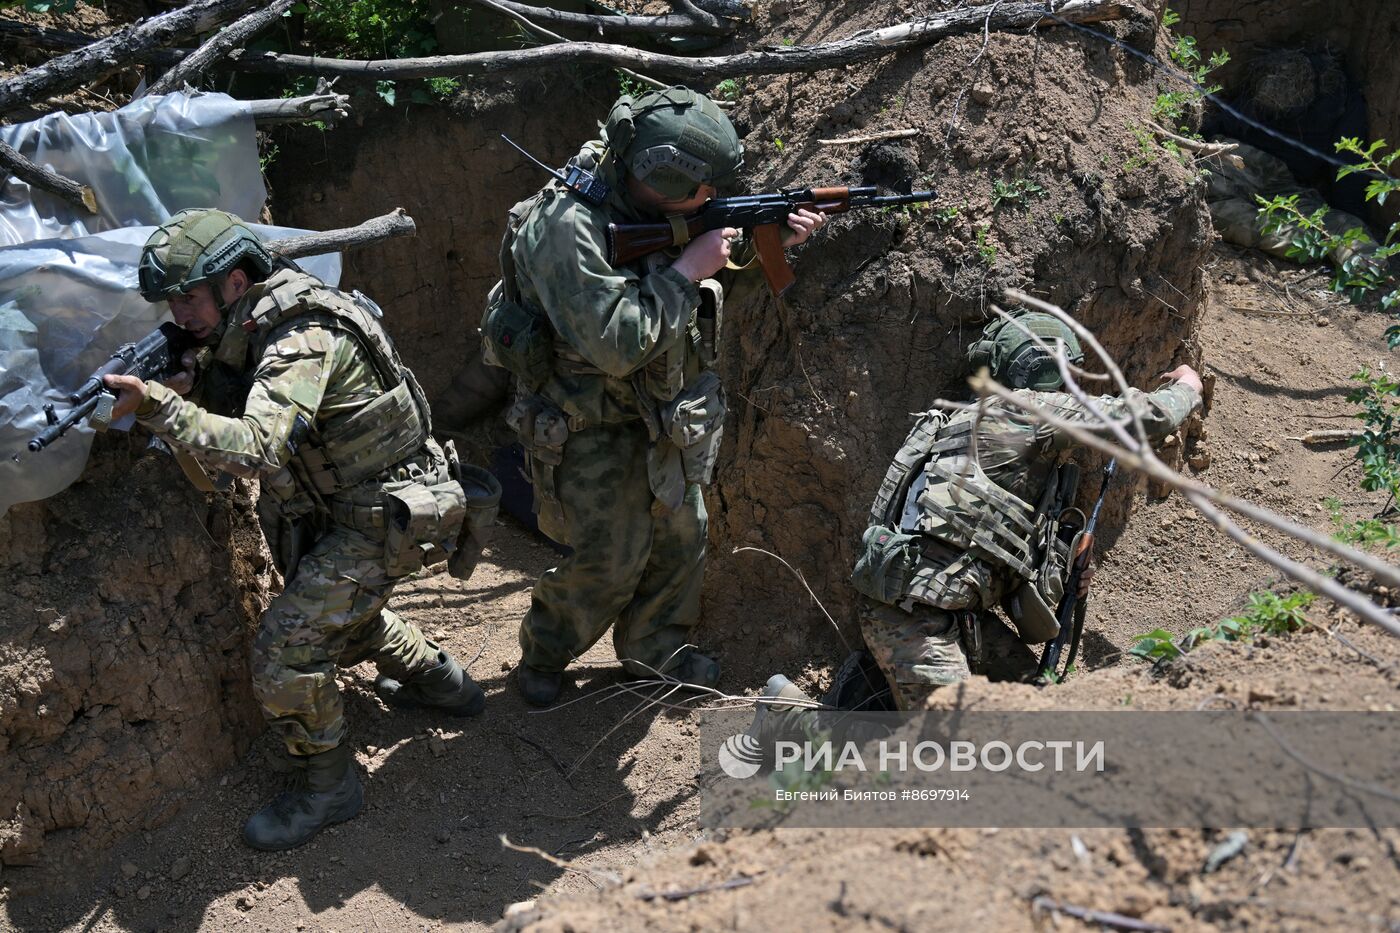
{"x":130,"y":599}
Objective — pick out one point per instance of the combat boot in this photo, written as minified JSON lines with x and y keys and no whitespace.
{"x":540,"y":688}
{"x":446,"y":687}
{"x":696,"y":670}
{"x":327,"y":791}
{"x":777,"y":688}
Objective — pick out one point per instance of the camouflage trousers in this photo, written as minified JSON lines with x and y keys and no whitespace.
{"x":636,"y":567}
{"x":928,"y":647}
{"x":331,"y":614}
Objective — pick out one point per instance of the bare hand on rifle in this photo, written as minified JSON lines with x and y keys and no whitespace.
{"x":801,"y":226}
{"x":131,"y":391}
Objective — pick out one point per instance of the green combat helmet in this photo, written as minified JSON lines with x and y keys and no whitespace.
{"x":197,"y":246}
{"x":1013,"y":356}
{"x":674,"y":140}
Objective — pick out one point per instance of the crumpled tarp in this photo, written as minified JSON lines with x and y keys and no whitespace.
{"x":68,"y":294}
{"x":144,"y":162}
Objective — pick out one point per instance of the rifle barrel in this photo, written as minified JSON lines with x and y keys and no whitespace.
{"x":913,"y":197}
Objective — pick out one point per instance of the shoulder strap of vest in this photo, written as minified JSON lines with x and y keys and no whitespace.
{"x":296,"y":295}
{"x":518,"y":213}
{"x":889,"y":501}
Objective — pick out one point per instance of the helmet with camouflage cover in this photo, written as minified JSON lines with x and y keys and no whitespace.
{"x":194,"y":247}
{"x":674,"y":140}
{"x":1012,"y":350}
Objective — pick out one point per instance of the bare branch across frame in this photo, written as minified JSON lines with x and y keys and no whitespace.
{"x":1133,"y":452}
{"x":862,"y":46}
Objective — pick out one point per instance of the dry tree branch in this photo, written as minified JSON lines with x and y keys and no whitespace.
{"x":396,"y":223}
{"x":234,"y":36}
{"x":863,"y":46}
{"x":506,"y":10}
{"x":324,"y":106}
{"x":870,"y":137}
{"x":621,"y":24}
{"x":1383,"y":571}
{"x":116,"y":52}
{"x":75,"y":193}
{"x":1155,"y":469}
{"x":1139,"y":456}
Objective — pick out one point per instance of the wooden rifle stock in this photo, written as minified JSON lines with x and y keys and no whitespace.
{"x":630,"y":242}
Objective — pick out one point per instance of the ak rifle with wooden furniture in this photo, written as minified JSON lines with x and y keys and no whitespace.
{"x":761,"y":216}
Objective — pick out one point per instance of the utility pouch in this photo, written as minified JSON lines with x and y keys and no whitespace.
{"x":419,"y":518}
{"x":1034,"y":605}
{"x":709,"y":320}
{"x":694,"y":422}
{"x":517,"y":338}
{"x":886,"y":564}
{"x":483,"y":498}
{"x":543,"y":429}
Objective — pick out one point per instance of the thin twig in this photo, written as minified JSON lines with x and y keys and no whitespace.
{"x":589,"y":873}
{"x":742,"y":881}
{"x":1101,"y":917}
{"x":870,"y":137}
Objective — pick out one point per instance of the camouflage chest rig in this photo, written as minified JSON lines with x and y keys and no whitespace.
{"x":936,"y":490}
{"x":376,"y":470}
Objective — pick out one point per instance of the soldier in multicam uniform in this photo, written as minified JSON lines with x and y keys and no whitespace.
{"x":962,"y":522}
{"x":299,"y":385}
{"x":621,"y":418}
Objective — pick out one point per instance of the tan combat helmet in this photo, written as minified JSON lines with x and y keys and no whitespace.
{"x":674,"y":140}
{"x":197,"y":246}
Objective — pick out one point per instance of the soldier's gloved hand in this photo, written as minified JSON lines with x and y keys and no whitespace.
{"x":1186,"y":374}
{"x":706,"y":254}
{"x":801,"y":226}
{"x":131,"y":392}
{"x":182,"y":382}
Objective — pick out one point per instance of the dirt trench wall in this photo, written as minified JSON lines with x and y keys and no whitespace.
{"x":1106,"y":223}
{"x":126,"y":611}
{"x":458,"y":179}
{"x":1366,"y":34}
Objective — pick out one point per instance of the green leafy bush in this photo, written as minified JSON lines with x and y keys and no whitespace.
{"x":1268,"y":613}
{"x":1366,"y":271}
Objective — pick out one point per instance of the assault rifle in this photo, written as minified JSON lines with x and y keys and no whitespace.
{"x":154,"y":356}
{"x":762,"y":216}
{"x":1070,"y":613}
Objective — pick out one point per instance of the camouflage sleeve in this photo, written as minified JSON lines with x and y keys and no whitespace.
{"x":1161,"y":412}
{"x":616,"y":319}
{"x":290,"y":381}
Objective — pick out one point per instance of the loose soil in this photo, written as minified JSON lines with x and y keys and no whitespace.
{"x":611,"y":790}
{"x":821,"y":387}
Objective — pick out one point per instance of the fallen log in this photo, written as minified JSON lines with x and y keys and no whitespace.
{"x":396,"y":223}
{"x":117,"y":51}
{"x":863,"y":46}
{"x":236,"y":35}
{"x":323,"y":106}
{"x":79,"y":195}
{"x":621,"y":24}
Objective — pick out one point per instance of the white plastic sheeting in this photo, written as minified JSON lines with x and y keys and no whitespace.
{"x":65,"y":305}
{"x":144,"y":162}
{"x":68,"y":294}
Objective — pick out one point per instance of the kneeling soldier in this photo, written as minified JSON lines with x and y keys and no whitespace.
{"x":299,"y":385}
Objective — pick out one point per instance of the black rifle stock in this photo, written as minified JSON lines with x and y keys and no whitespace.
{"x":154,"y":356}
{"x":1070,"y":612}
{"x":762,"y":216}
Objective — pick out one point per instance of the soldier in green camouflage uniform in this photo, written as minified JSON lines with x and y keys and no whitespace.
{"x":299,"y":385}
{"x":623,"y":421}
{"x":960,"y":524}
